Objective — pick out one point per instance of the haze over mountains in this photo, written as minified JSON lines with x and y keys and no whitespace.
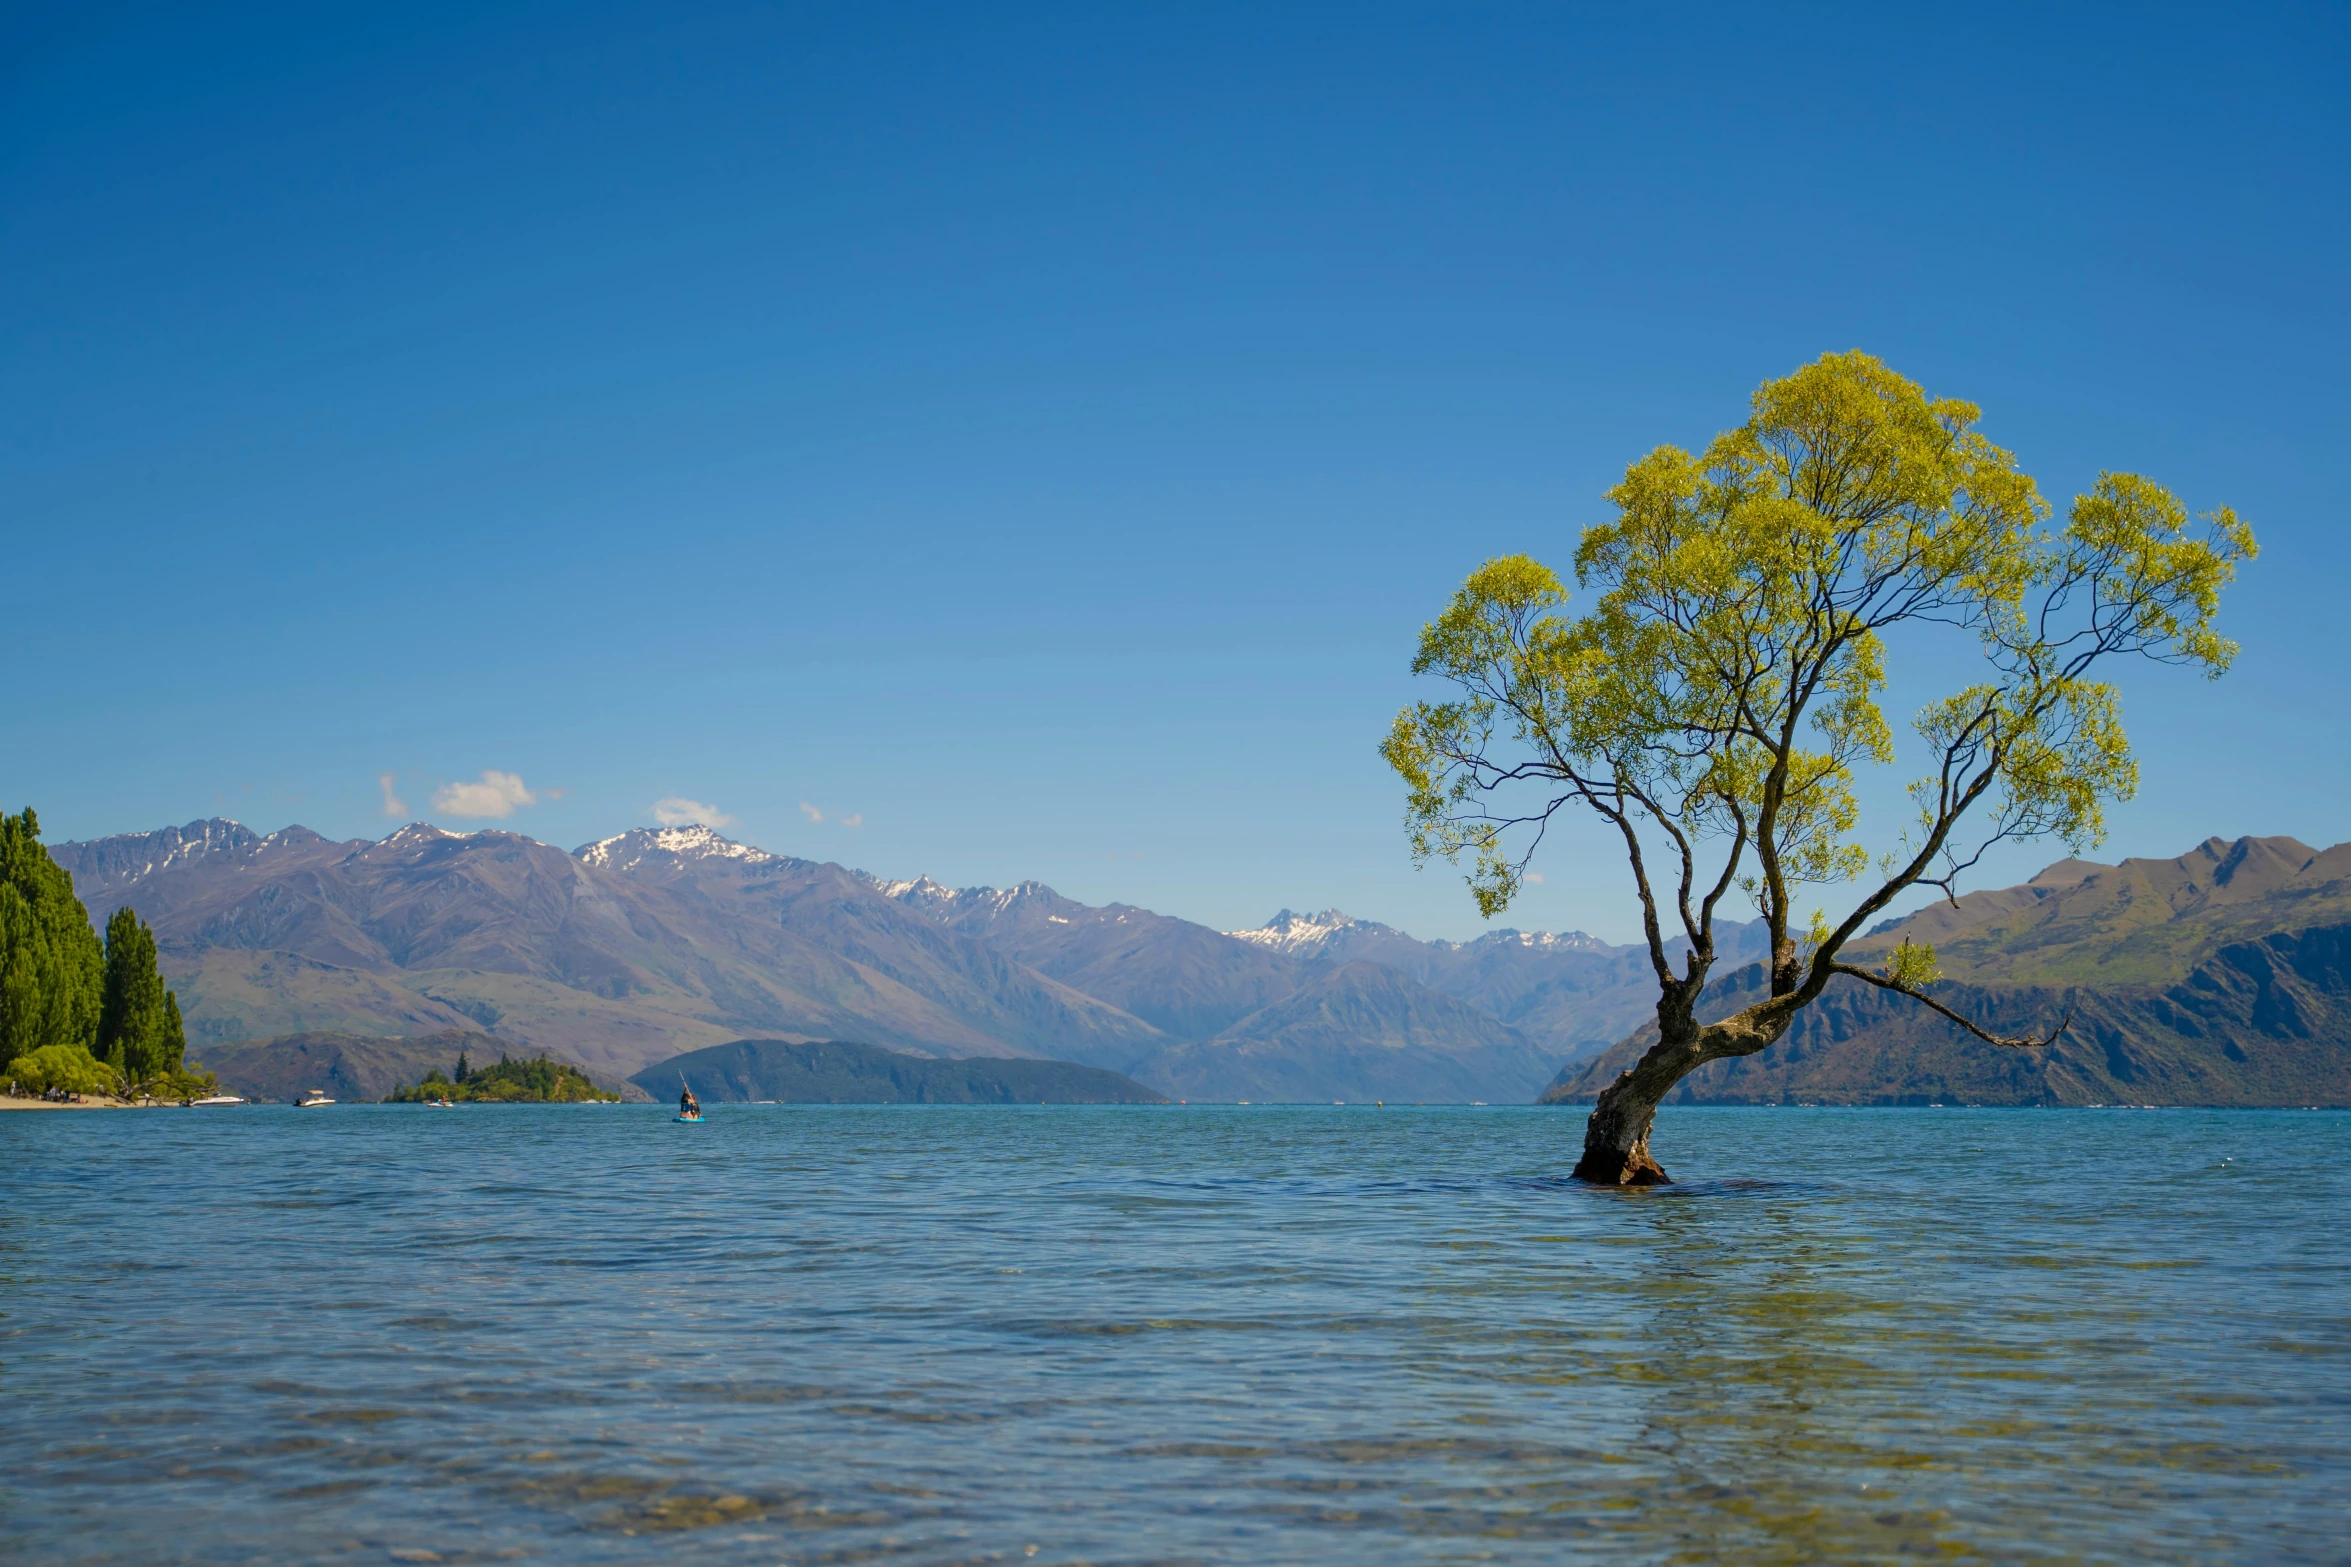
{"x":638,"y":947}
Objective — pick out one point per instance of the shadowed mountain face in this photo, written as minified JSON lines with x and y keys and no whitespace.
{"x":2217,"y":978}
{"x":2264,"y":1022}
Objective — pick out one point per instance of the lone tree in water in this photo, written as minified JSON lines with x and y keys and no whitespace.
{"x":1713,"y":702}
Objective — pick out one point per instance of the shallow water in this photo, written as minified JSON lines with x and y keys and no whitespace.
{"x":931,"y":1334}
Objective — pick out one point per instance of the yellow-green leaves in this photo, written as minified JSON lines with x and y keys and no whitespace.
{"x":1717,"y":693}
{"x":1912,"y":965}
{"x":2151,"y":583}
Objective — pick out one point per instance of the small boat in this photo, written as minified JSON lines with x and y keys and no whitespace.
{"x":440,"y":1104}
{"x":312,"y":1100}
{"x":216,"y":1099}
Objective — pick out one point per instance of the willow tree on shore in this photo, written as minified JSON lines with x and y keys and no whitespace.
{"x":1712,"y":704}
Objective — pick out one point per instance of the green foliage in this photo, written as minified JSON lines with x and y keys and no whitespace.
{"x":69,"y":1067}
{"x":50,"y":962}
{"x":139,"y":1029}
{"x":188,"y":1081}
{"x":1912,"y":964}
{"x":539,"y":1080}
{"x":1715,"y":699}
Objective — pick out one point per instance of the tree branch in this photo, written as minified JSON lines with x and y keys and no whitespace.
{"x":1900,"y":989}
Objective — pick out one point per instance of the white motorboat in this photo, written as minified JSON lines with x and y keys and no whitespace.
{"x":312,"y":1100}
{"x":216,"y":1099}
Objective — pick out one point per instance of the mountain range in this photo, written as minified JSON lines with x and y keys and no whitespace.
{"x":2197,"y":979}
{"x":639,"y":947}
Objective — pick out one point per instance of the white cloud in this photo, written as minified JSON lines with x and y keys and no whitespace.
{"x":1534,"y":878}
{"x":678,"y":811}
{"x":394,"y":806}
{"x":811,"y":812}
{"x":854,"y":821}
{"x":496,"y":794}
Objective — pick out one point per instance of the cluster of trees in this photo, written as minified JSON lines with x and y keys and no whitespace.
{"x":77,"y":1013}
{"x":539,"y":1080}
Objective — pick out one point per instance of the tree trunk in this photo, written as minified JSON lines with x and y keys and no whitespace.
{"x":1616,"y":1139}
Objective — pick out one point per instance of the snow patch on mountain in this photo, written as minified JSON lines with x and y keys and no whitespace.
{"x":944,"y":903}
{"x":1543,"y":940}
{"x":625,"y":851}
{"x":416,"y":832}
{"x":1292,"y":932}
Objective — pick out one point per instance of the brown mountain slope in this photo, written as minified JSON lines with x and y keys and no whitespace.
{"x":2260,"y":1023}
{"x":2140,"y":922}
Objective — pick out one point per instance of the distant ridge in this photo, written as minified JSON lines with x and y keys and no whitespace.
{"x":839,"y":1072}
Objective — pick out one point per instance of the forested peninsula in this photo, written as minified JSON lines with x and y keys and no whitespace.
{"x":80,"y":1016}
{"x":538,"y":1081}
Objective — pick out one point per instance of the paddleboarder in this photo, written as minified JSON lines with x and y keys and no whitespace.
{"x":688,"y":1105}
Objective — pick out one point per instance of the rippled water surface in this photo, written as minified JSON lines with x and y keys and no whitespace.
{"x":815,"y":1334}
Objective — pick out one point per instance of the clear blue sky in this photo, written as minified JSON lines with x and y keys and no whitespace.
{"x":1039,"y":433}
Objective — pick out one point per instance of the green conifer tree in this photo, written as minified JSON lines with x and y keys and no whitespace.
{"x":138,"y":1018}
{"x":51,"y":966}
{"x":175,"y":1033}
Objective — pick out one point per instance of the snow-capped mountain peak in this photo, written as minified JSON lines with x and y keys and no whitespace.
{"x":1543,"y":940}
{"x":1320,"y":934}
{"x":621,"y":851}
{"x":1288,"y":931}
{"x":942,"y":902}
{"x":415,"y":833}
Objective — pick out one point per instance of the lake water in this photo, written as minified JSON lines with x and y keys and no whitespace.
{"x":1127,"y":1335}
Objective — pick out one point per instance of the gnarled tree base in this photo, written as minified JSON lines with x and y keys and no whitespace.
{"x":1610,"y":1167}
{"x":1616,"y":1140}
